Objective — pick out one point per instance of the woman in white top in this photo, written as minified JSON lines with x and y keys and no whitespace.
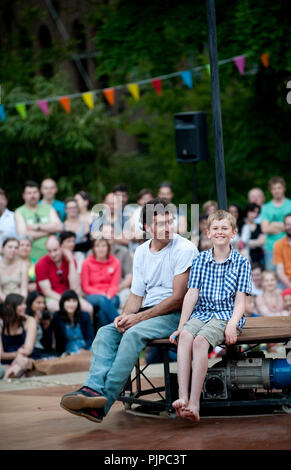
{"x":13,"y":271}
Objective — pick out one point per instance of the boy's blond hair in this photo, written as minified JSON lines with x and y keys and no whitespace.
{"x":220,"y":215}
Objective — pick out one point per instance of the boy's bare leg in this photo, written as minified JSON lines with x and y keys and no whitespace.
{"x":199,"y":370}
{"x":184,"y":363}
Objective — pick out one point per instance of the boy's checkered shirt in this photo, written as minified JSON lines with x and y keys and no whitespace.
{"x":218,"y":284}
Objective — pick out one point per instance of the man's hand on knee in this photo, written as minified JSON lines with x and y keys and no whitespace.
{"x":124,"y":322}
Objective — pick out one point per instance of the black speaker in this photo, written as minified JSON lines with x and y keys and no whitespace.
{"x":191,"y":136}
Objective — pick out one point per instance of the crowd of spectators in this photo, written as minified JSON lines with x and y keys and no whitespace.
{"x":66,"y":266}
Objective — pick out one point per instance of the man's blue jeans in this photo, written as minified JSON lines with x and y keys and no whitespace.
{"x":114,"y":354}
{"x":107,"y":307}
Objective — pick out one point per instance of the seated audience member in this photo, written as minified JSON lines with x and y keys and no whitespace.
{"x":251,"y":235}
{"x":126,"y":262}
{"x":18,"y":336}
{"x":282,"y":255}
{"x":272,"y":217}
{"x":13,"y":271}
{"x":286,"y":294}
{"x":251,"y":309}
{"x":204,"y":241}
{"x":100,"y":278}
{"x":36,"y":220}
{"x":85,"y":204}
{"x":209,"y":207}
{"x":136,"y":233}
{"x":73,"y":223}
{"x":257,"y":271}
{"x":236,"y":212}
{"x":257,"y":196}
{"x":24,"y":251}
{"x":7,"y":220}
{"x":49,"y":190}
{"x":270,"y":304}
{"x":57,"y":272}
{"x":36,"y":308}
{"x":72,"y":327}
{"x":165,"y":191}
{"x":68,"y":242}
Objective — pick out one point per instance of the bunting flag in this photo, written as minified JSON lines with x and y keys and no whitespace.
{"x":240,"y":63}
{"x":187,"y":78}
{"x":2,"y":113}
{"x":66,"y":103}
{"x":109,"y":94}
{"x":134,"y":90}
{"x":88,"y":98}
{"x":21,"y":108}
{"x":43,"y":105}
{"x":157,"y":84}
{"x":265,"y":59}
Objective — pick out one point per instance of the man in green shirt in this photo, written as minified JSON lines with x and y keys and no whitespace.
{"x":36,"y":220}
{"x":272,"y":217}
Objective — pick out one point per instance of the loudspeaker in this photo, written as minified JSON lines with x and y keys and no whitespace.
{"x":191,"y":136}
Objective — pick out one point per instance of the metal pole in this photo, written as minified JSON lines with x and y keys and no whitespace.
{"x":216,"y":109}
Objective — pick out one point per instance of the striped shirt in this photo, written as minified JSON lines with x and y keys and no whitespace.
{"x":218,"y":284}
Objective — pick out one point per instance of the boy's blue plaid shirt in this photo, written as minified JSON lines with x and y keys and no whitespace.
{"x":218,"y":284}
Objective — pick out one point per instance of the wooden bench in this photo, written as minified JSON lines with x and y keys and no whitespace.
{"x":257,"y":330}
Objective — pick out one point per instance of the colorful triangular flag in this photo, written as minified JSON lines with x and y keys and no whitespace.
{"x":240,"y":63}
{"x":43,"y":105}
{"x":21,"y":108}
{"x":187,"y":78}
{"x":109,"y":94}
{"x":134,"y":90}
{"x":66,"y":103}
{"x":265,"y":59}
{"x":88,"y":98}
{"x":2,"y":113}
{"x":157,"y":84}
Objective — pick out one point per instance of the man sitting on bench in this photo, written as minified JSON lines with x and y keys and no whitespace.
{"x":161,"y":268}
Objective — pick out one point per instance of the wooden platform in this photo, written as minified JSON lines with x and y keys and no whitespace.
{"x":257,"y":330}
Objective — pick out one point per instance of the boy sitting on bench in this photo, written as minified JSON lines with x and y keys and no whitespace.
{"x":219,"y":280}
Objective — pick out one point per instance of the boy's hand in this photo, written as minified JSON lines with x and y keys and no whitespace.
{"x":230,"y":333}
{"x":174,"y":337}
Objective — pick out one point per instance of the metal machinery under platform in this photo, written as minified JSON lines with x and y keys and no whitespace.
{"x":242,"y":382}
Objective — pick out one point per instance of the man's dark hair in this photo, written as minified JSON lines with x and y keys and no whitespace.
{"x":165,"y":184}
{"x":120,"y":187}
{"x":31,"y":184}
{"x":154,"y":207}
{"x":65,"y":235}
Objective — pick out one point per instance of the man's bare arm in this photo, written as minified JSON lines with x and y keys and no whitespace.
{"x":272,"y":227}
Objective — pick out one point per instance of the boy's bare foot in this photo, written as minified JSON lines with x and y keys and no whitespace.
{"x":192,"y":413}
{"x":179,"y":406}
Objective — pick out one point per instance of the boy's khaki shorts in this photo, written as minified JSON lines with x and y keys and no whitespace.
{"x":212,"y":330}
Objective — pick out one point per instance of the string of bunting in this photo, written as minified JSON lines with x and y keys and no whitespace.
{"x":134,"y":89}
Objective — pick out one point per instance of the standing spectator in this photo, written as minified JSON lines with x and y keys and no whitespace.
{"x":136,"y":233}
{"x":49,"y":190}
{"x":18,"y":336}
{"x":36,"y":220}
{"x":126,"y":262}
{"x":273,"y":213}
{"x":257,"y":271}
{"x":100,"y":277}
{"x":24,"y":251}
{"x":57,"y":272}
{"x":282,"y":255}
{"x":7,"y":220}
{"x":252,"y":236}
{"x":257,"y":196}
{"x":270,"y":304}
{"x":209,"y":207}
{"x":81,"y":228}
{"x":286,"y":294}
{"x":13,"y":272}
{"x":72,"y":327}
{"x":165,"y":191}
{"x":204,"y":241}
{"x":36,"y":308}
{"x":112,"y":213}
{"x":85,"y":203}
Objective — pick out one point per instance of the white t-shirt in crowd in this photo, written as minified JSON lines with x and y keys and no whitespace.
{"x":153,"y":273}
